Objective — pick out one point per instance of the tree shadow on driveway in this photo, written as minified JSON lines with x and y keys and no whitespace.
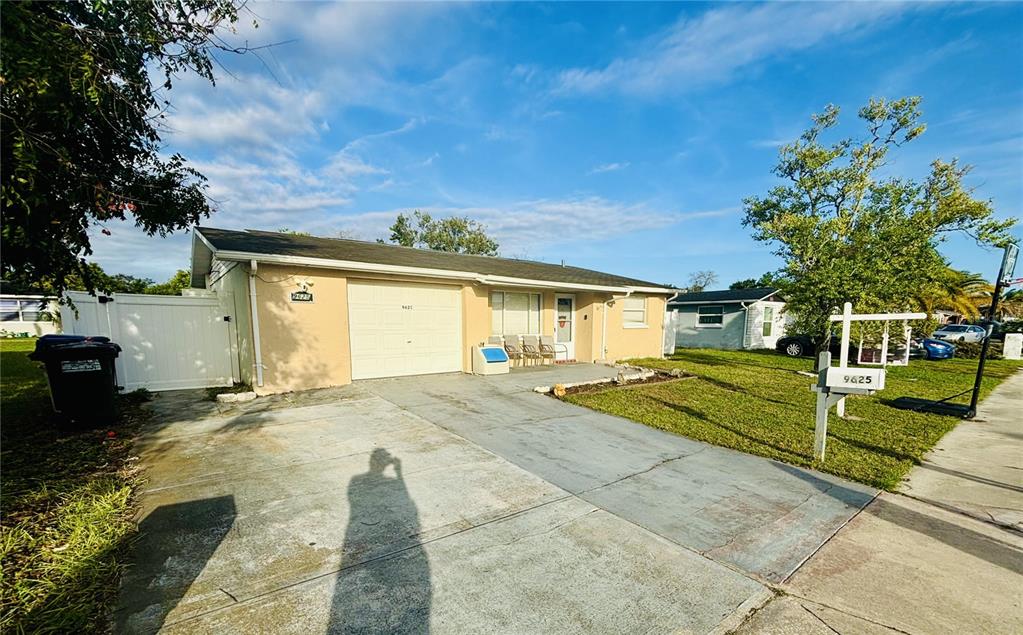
{"x":175,"y":543}
{"x":389,"y":593}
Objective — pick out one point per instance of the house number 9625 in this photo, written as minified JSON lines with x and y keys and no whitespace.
{"x":858,"y":379}
{"x":407,"y":306}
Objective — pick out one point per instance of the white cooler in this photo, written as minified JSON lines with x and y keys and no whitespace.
{"x":489,"y":360}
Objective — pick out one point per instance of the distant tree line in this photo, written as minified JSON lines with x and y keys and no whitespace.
{"x":105,"y":283}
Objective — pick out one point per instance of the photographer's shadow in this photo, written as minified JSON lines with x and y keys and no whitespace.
{"x":376,"y":592}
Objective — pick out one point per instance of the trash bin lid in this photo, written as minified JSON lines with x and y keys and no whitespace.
{"x":51,"y":343}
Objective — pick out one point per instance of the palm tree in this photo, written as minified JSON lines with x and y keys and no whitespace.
{"x":1011,"y":304}
{"x":961,"y":292}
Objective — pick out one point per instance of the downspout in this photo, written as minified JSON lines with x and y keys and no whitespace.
{"x":256,"y":347}
{"x":745,"y":323}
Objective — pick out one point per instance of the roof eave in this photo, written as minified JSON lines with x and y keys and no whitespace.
{"x":425,"y":272}
{"x":202,"y":259}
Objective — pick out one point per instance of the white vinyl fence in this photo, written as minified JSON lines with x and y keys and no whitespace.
{"x":167,"y":342}
{"x":671,"y":323}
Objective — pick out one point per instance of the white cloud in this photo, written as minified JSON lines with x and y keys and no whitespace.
{"x":247,"y":109}
{"x":715,"y":45}
{"x":346,"y":165}
{"x":609,"y":167}
{"x":428,"y":161}
{"x":771,"y":143}
{"x":519,"y":225}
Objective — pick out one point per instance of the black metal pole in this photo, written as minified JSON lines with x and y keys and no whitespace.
{"x":987,"y":341}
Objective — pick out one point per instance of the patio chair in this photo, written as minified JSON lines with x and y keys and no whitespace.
{"x":551,"y":348}
{"x":531,"y":347}
{"x":514,"y":350}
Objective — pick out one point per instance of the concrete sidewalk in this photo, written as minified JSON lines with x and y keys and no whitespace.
{"x":925,"y":562}
{"x":977,"y":469}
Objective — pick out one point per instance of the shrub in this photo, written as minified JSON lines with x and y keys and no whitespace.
{"x":969,"y":350}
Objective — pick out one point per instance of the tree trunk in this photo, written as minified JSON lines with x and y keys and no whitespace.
{"x":822,"y":345}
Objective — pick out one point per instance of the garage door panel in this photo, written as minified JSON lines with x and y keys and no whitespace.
{"x":404,"y":329}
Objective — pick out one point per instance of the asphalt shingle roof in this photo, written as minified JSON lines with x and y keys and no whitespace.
{"x":727,"y":295}
{"x":273,"y":243}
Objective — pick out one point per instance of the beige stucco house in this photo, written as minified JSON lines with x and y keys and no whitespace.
{"x":313,"y":312}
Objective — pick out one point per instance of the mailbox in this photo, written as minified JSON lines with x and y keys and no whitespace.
{"x":839,"y":379}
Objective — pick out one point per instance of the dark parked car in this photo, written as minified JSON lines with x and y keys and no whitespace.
{"x":803,"y":346}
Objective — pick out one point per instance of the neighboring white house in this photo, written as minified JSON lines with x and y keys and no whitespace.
{"x":27,"y":315}
{"x":729,"y":319}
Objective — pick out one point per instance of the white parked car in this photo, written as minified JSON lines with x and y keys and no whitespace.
{"x":960,"y":333}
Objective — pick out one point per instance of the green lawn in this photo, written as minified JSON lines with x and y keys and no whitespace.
{"x":66,"y":507}
{"x":756,"y":402}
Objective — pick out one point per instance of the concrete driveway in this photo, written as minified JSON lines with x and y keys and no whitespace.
{"x":458,"y":504}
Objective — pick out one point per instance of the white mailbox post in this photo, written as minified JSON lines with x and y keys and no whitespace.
{"x":847,"y":317}
{"x":835,"y":384}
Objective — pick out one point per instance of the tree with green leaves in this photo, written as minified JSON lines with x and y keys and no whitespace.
{"x":961,"y":292}
{"x":459,"y":234}
{"x":769,"y":279}
{"x":182,"y":279}
{"x":84,"y":90}
{"x":1011,"y":305}
{"x":102,"y":282}
{"x":847,"y":233}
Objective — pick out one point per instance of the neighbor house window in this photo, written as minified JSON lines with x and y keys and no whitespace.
{"x":23,"y":310}
{"x":710,"y":316}
{"x":9,"y":311}
{"x":634,"y":312}
{"x":768,"y":320}
{"x":514,"y":313}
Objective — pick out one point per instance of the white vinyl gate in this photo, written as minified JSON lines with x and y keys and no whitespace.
{"x":167,"y":342}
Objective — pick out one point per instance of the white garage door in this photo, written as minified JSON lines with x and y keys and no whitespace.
{"x":404,"y":329}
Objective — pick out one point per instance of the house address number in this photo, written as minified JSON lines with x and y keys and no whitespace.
{"x":857,"y":379}
{"x":301,"y":296}
{"x":869,"y":378}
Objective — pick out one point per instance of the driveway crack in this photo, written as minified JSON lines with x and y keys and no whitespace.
{"x":546,"y":531}
{"x":819,"y":619}
{"x":653,"y":467}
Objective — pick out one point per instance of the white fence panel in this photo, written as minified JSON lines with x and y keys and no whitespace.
{"x":167,"y":342}
{"x":671,"y":322}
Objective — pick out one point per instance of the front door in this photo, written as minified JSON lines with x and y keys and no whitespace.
{"x":564,"y":326}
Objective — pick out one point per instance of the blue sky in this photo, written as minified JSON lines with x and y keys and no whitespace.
{"x":619,"y":137}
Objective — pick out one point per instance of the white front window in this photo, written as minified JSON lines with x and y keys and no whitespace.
{"x":514,"y":313}
{"x":634,"y":312}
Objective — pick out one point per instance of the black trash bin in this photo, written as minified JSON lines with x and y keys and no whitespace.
{"x":81,"y":375}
